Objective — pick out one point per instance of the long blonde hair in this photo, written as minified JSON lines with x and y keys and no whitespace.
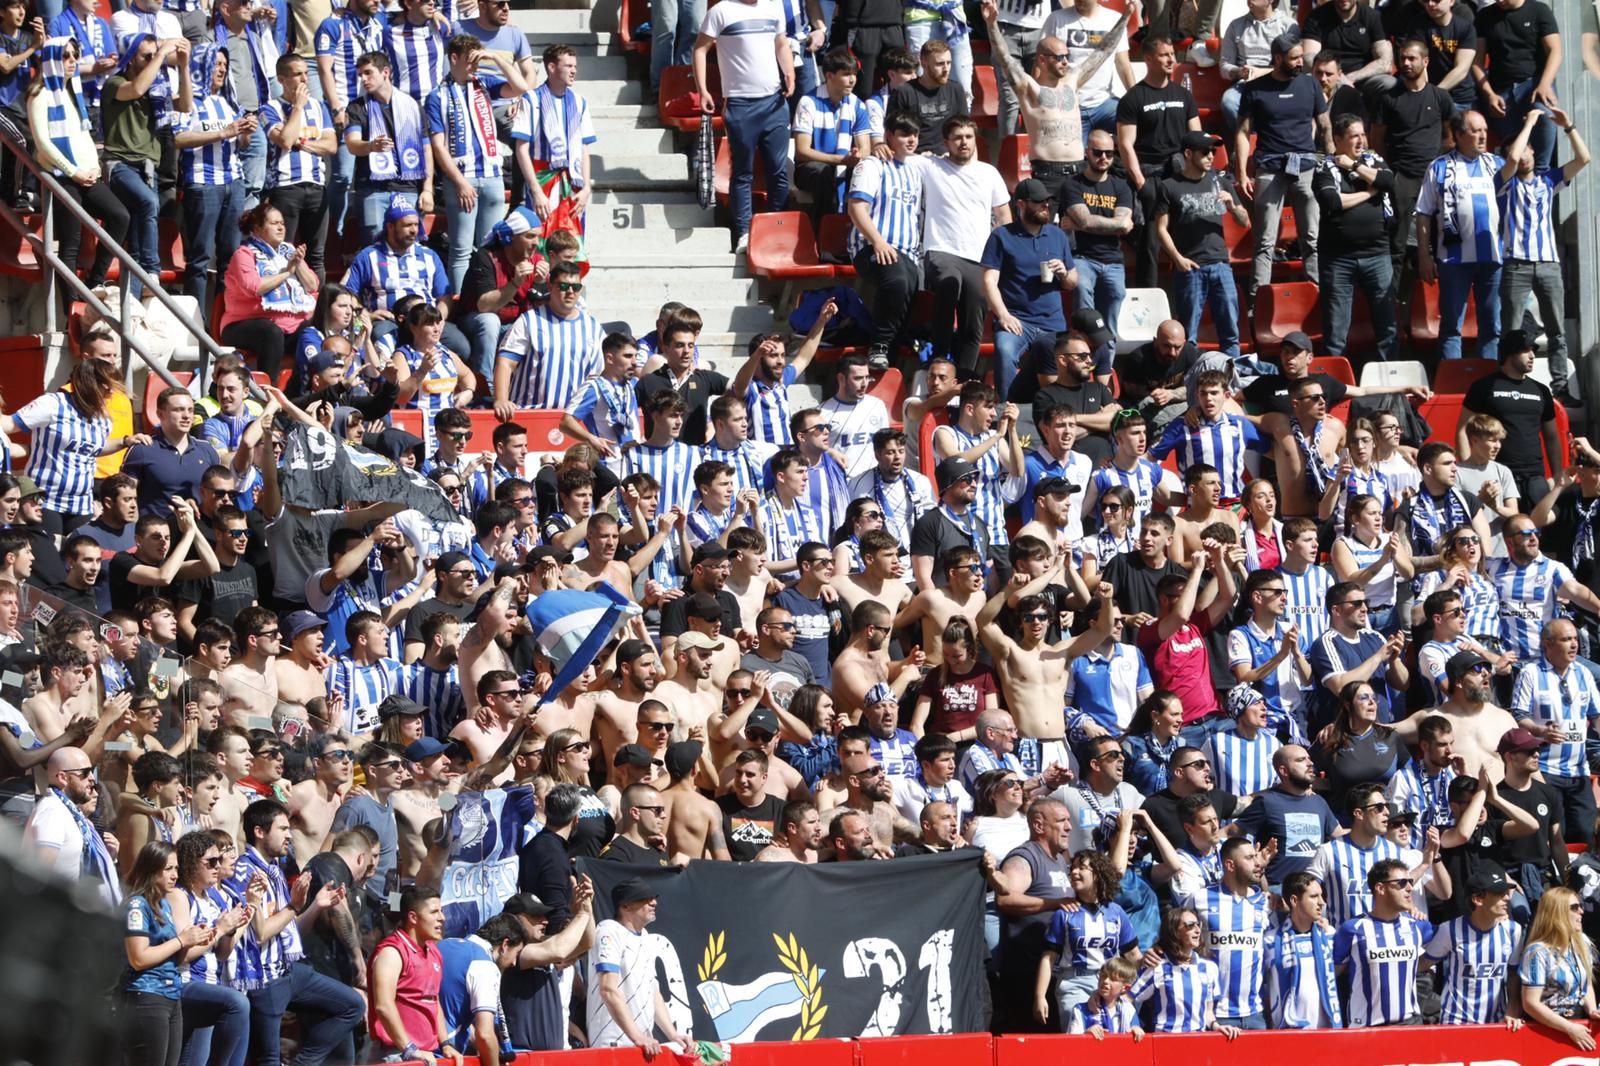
{"x":1552,"y":927}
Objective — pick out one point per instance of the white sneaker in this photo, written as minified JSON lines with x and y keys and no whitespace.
{"x":743,"y":246}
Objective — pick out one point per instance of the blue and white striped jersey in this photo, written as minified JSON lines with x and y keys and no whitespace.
{"x":1249,"y":646}
{"x":829,"y":488}
{"x":1117,"y":1017}
{"x":703,"y":526}
{"x":1342,"y":867}
{"x":608,"y":409}
{"x":1528,"y":207}
{"x":1475,"y":963}
{"x":1243,"y":767}
{"x":1235,"y":931}
{"x":1461,"y":196}
{"x":769,"y":409}
{"x":437,"y":690}
{"x":1569,"y":699}
{"x":996,"y":485}
{"x":1563,"y":980}
{"x":1184,"y":995}
{"x":1414,"y":788}
{"x":296,"y":166}
{"x":62,"y":453}
{"x":434,"y":392}
{"x":786,"y":528}
{"x":893,"y":192}
{"x":1305,"y":602}
{"x":1300,"y":987}
{"x":749,"y":461}
{"x":1221,"y":444}
{"x":1382,"y":957}
{"x":1085,"y":939}
{"x":363,"y":687}
{"x":1432,"y":659}
{"x":1108,"y":687}
{"x":346,"y":37}
{"x":1141,"y":481}
{"x":216,"y":163}
{"x":833,"y":127}
{"x":380,"y":275}
{"x":553,"y":356}
{"x":1527,"y":599}
{"x":481,"y":485}
{"x":555,"y":135}
{"x":672,"y":466}
{"x":1481,"y":599}
{"x":418,"y":55}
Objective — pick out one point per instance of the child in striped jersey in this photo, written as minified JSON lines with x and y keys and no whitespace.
{"x":1182,"y":988}
{"x":1108,"y":1009}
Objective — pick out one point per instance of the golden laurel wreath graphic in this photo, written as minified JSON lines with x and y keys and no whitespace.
{"x":714,"y":957}
{"x":812,"y":1009}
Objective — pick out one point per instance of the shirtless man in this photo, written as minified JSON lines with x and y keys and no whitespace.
{"x":1033,"y":673}
{"x":602,"y":564}
{"x":1477,"y":723}
{"x":934,"y":607}
{"x":704,"y":616}
{"x":1049,"y":99}
{"x":417,"y":804}
{"x":882,"y":577}
{"x":690,"y":693}
{"x":230,"y":746}
{"x":747,"y":691}
{"x":571,"y":708}
{"x":616,"y":709}
{"x":760,"y":733}
{"x":480,"y":648}
{"x":300,"y":670}
{"x":250,"y":683}
{"x":1295,"y":436}
{"x":501,"y":694}
{"x":314,"y":801}
{"x":694,"y":823}
{"x":871,"y":793}
{"x":144,"y":813}
{"x":1052,"y":511}
{"x":864,"y":663}
{"x":1204,"y":486}
{"x":748,"y":579}
{"x":798,"y":837}
{"x":834,"y":790}
{"x":66,"y":670}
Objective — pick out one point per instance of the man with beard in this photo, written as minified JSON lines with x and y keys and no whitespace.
{"x":1097,"y":206}
{"x":1027,"y":265}
{"x":763,"y":382}
{"x":61,"y":839}
{"x":434,"y":680}
{"x":1477,"y":723}
{"x":432,"y":774}
{"x":799,"y":838}
{"x":1531,"y":585}
{"x":694,"y":823}
{"x":941,"y":831}
{"x":501,"y":694}
{"x":314,"y":801}
{"x":708,"y":576}
{"x":870,"y":791}
{"x":1556,"y":700}
{"x":1289,"y":819}
{"x":250,"y":683}
{"x":333,"y":941}
{"x":850,"y":838}
{"x":760,"y":733}
{"x":864,"y":663}
{"x":641,"y":829}
{"x":1235,"y":914}
{"x":1074,"y":387}
{"x":602,"y":564}
{"x":774,"y":653}
{"x":454,"y":594}
{"x":690,"y":693}
{"x":616,"y":717}
{"x":1037,"y":881}
{"x":749,"y":816}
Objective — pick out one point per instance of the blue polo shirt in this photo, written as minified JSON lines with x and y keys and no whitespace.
{"x":164,"y":472}
{"x":1017,"y":255}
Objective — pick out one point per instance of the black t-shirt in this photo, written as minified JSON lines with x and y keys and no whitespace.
{"x":621,"y":849}
{"x":1270,"y":392}
{"x":221,"y":595}
{"x":430,"y":607}
{"x":675,"y":615}
{"x":323,"y":949}
{"x":1561,"y":535}
{"x":1523,"y":407}
{"x":1102,"y":199}
{"x":124,"y":593}
{"x":1484,"y":850}
{"x":1194,"y":214}
{"x":1544,"y":803}
{"x":79,"y":599}
{"x":1089,"y":398}
{"x":934,"y":534}
{"x":1413,"y":127}
{"x":930,"y":107}
{"x":1283,"y":115}
{"x":1443,"y":44}
{"x":1136,"y":581}
{"x":1362,"y":230}
{"x":1142,"y":369}
{"x":749,"y":829}
{"x":545,"y":869}
{"x":1351,"y":41}
{"x":698,"y":390}
{"x":1163,"y":810}
{"x":1514,"y":41}
{"x":1161,"y":117}
{"x":357,"y":114}
{"x":1369,"y":758}
{"x":547,"y":499}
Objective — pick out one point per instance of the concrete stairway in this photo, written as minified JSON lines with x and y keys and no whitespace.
{"x":649,"y":239}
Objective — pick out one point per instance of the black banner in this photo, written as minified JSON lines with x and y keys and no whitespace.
{"x":781,"y":951}
{"x":320,"y":472}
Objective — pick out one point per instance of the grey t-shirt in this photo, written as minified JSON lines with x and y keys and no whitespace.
{"x":364,"y":810}
{"x":1471,"y":479}
{"x":790,"y":672}
{"x":241,"y":64}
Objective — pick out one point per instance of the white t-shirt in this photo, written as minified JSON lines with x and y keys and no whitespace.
{"x":52,"y":826}
{"x":957,"y":201}
{"x":1086,"y":819}
{"x":619,"y":950}
{"x":746,"y":36}
{"x":851,"y":426}
{"x":911,"y":795}
{"x":1083,"y":35}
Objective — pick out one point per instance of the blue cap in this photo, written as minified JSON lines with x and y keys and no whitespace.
{"x":424,"y":748}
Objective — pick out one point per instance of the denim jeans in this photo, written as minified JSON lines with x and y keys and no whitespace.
{"x":1231,"y":99}
{"x":483,"y":333}
{"x":1577,"y":805}
{"x":341,"y":171}
{"x":1072,"y":990}
{"x":253,"y":161}
{"x":1519,"y":100}
{"x":469,"y":230}
{"x":1272,"y":189}
{"x":1102,"y":286}
{"x":327,"y":1011}
{"x":210,"y":235}
{"x":1519,"y":277}
{"x":1022,"y":44}
{"x":757,"y":124}
{"x":1208,"y":283}
{"x":371,"y":205}
{"x":673,"y":26}
{"x":920,"y":33}
{"x":216,"y":1019}
{"x":1456,"y":282}
{"x":1375,"y":275}
{"x":139,"y":194}
{"x":1103,"y":116}
{"x":1009,"y":348}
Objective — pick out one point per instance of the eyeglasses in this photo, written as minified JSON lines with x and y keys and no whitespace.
{"x":225,"y":494}
{"x":737,"y":694}
{"x":339,"y":754}
{"x":971,"y":568}
{"x":1036,"y":616}
{"x":85,"y":773}
{"x":468,"y":572}
{"x":1273,"y":592}
{"x":1397,"y":882}
{"x":459,"y":436}
{"x":1114,"y":754}
{"x":1188,"y":924}
{"x":656,"y":726}
{"x":213,"y":861}
{"x":785,"y":626}
{"x":239,"y":534}
{"x":1392,"y":427}
{"x":1575,"y":907}
{"x":268,"y":633}
{"x":1105,"y":152}
{"x":1011,"y":782}
{"x":570,"y":286}
{"x":1455,"y":612}
{"x":1057,"y":56}
{"x":758,"y":736}
{"x":1318,"y":398}
{"x":874,"y":771}
{"x":522,"y":501}
{"x":871,"y":514}
{"x":270,"y":753}
{"x":392,"y":764}
{"x":1352,"y":603}
{"x":818,"y":560}
{"x":582,"y":745}
{"x":1481,"y":668}
{"x":505,"y":692}
{"x":657,"y":811}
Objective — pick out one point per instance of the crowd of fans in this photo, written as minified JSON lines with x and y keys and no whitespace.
{"x":1259,"y":717}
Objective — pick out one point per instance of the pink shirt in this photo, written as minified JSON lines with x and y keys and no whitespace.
{"x":416,"y":993}
{"x":1182,"y":664}
{"x":241,"y":301}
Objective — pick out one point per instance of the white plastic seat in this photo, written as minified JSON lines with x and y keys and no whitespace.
{"x":1401,"y":372}
{"x":1142,"y":311}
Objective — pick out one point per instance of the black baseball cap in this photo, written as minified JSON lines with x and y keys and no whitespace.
{"x":1195,"y":141}
{"x":1053,"y":485}
{"x":704,"y":606}
{"x":632,"y":890}
{"x":631,"y":755}
{"x":1032,"y":190}
{"x":681,"y":758}
{"x":630,"y":650}
{"x":1092,"y":324}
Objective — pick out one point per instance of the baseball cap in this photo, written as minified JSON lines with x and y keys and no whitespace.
{"x":703,"y":605}
{"x":526,"y":903}
{"x":298,"y":622}
{"x":631,"y":755}
{"x":323,"y":361}
{"x":709,"y":552}
{"x":399,"y":705}
{"x":691,"y":639}
{"x":1462,"y":663}
{"x":1515,"y":342}
{"x":951,"y":470}
{"x":1054,"y":485}
{"x":681,"y":758}
{"x":1284,"y":42}
{"x":1092,"y":324}
{"x":1297,"y":340}
{"x":28,"y":486}
{"x":763,"y":719}
{"x":450,"y":560}
{"x":632,"y":890}
{"x":1195,"y":141}
{"x":545,"y":551}
{"x":424,"y":748}
{"x":1518,"y":739}
{"x":630,"y":650}
{"x":1032,"y":190}
{"x":1398,"y":814}
{"x":1488,"y":879}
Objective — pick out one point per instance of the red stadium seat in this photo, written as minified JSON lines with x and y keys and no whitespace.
{"x":833,"y":240}
{"x":891,"y":389}
{"x":1554,"y":465}
{"x":1207,"y":85}
{"x":1442,"y":414}
{"x":1455,"y":375}
{"x":544,"y":429}
{"x":1282,"y":308}
{"x":930,"y":422}
{"x":1014,"y":162}
{"x":634,"y":14}
{"x":1207,"y":340}
{"x":678,"y":102}
{"x":783,"y":246}
{"x":1425,"y":316}
{"x":985,"y":98}
{"x":1241,"y":241}
{"x":1336,"y":367}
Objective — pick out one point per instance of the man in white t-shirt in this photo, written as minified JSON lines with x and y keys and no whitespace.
{"x":60,"y":838}
{"x":964,"y":199}
{"x":853,"y":416}
{"x":627,"y":1007}
{"x":1083,"y":28}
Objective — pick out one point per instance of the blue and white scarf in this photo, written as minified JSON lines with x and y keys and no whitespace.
{"x":96,"y":860}
{"x":289,"y":295}
{"x":257,"y":965}
{"x":405,"y":161}
{"x":465,"y":121}
{"x":202,"y":66}
{"x":160,"y":93}
{"x":65,"y":111}
{"x":563,"y":133}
